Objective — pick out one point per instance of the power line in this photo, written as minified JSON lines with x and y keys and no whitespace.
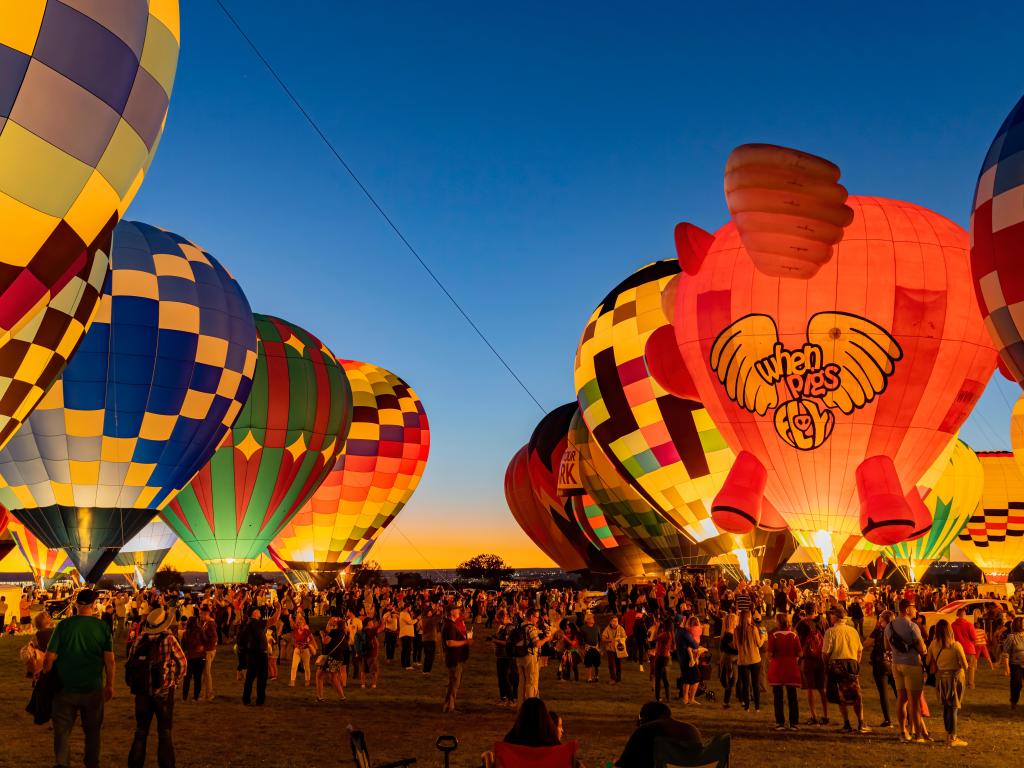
{"x":373,"y":201}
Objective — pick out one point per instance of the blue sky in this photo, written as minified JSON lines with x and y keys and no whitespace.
{"x":535,"y":154}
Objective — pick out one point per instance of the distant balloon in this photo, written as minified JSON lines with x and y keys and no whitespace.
{"x":997,"y":243}
{"x":788,"y":207}
{"x":281,"y":447}
{"x":952,"y":501}
{"x":533,"y":517}
{"x":1017,"y":431}
{"x":85,"y":89}
{"x":146,"y":551}
{"x":44,"y":562}
{"x":993,"y":538}
{"x":627,"y":510}
{"x":544,"y":452}
{"x":618,"y":549}
{"x":160,"y":376}
{"x":668,"y":448}
{"x":373,"y":479}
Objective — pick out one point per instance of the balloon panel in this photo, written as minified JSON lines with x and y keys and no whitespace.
{"x":155,"y":536}
{"x":993,"y":538}
{"x":879,"y":354}
{"x":668,"y":448}
{"x":997,"y":241}
{"x":282,"y":445}
{"x":84,"y":90}
{"x":374,"y":477}
{"x":44,"y":562}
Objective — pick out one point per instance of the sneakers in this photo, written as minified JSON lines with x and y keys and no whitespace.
{"x":780,"y":727}
{"x":863,"y":728}
{"x":793,"y":728}
{"x":847,"y":728}
{"x":641,"y":667}
{"x":823,"y":721}
{"x":955,"y":742}
{"x":811,"y":721}
{"x":885,"y":724}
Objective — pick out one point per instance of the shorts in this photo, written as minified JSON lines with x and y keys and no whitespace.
{"x":908,"y":677}
{"x":812,"y":674}
{"x":843,"y":685}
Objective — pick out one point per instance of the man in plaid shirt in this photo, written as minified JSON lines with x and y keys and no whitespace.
{"x":156,"y":697}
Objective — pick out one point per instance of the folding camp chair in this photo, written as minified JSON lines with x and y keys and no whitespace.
{"x":361,"y":755}
{"x":676,"y":754}
{"x":515,"y":756}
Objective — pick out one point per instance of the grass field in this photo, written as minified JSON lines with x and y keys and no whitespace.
{"x":402,"y":718}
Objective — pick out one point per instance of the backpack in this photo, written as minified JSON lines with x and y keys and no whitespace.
{"x":516,"y":644}
{"x":815,"y":642}
{"x":896,"y":640}
{"x":143,"y":671}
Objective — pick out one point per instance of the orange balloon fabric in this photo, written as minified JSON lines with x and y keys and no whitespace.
{"x":883,"y":353}
{"x":788,"y":206}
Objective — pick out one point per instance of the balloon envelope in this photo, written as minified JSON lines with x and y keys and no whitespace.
{"x":151,"y":391}
{"x":85,"y":91}
{"x":373,"y":479}
{"x":993,"y":538}
{"x":880,"y":356}
{"x":997,"y":242}
{"x":281,"y":447}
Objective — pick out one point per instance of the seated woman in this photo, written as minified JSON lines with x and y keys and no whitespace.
{"x":534,"y":726}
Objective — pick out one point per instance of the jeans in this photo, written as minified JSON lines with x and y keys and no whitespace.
{"x":1016,"y":680}
{"x":255,"y":671}
{"x":417,"y":649}
{"x":208,"y":675}
{"x":406,"y":652}
{"x":145,"y":708}
{"x":194,"y":675}
{"x":454,"y":681}
{"x":508,"y":679}
{"x":614,"y":666}
{"x":794,"y":708}
{"x":883,"y":678}
{"x":429,"y":652}
{"x":748,"y":686}
{"x":66,"y":708}
{"x":661,"y":677}
{"x":949,"y":719}
{"x":303,"y":655}
{"x":390,"y":640}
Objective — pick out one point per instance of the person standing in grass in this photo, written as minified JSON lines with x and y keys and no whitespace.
{"x":194,"y":644}
{"x":881,"y":666}
{"x":613,"y":640}
{"x":82,"y":651}
{"x":947,"y":660}
{"x":303,"y":645}
{"x":903,"y":640}
{"x":784,"y":671}
{"x":963,"y":632}
{"x":429,"y":624}
{"x":842,"y":651}
{"x":456,"y":639}
{"x":748,"y":645}
{"x":406,"y":634}
{"x":591,"y":636}
{"x":812,"y":667}
{"x":1013,"y":659}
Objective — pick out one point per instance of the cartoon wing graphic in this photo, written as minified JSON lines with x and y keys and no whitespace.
{"x":865,"y":353}
{"x":734,"y":356}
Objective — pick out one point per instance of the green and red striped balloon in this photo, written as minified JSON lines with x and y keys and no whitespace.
{"x":282,"y":446}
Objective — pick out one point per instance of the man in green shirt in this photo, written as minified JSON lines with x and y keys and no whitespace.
{"x":82,"y":651}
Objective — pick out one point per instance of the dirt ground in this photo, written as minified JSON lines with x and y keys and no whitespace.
{"x":402,"y":718}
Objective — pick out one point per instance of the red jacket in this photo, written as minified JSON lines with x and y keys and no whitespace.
{"x":963,"y":633}
{"x":784,"y":665}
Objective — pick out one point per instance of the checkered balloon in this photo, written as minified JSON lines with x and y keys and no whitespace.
{"x":84,"y":90}
{"x":161,"y":375}
{"x":997,"y":242}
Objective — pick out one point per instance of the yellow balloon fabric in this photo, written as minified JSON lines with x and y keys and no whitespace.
{"x":993,"y":538}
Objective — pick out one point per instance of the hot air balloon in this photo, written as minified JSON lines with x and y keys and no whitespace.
{"x":993,"y":538}
{"x":45,"y":563}
{"x":997,"y":243}
{"x":625,"y":555}
{"x":788,"y":207}
{"x":666,"y":447}
{"x":146,"y":551}
{"x":374,"y":477}
{"x":544,"y":456}
{"x":626,"y":509}
{"x":953,"y":499}
{"x":1017,"y":431}
{"x":85,"y":95}
{"x":842,"y":389}
{"x":7,"y":543}
{"x":281,"y":447}
{"x":533,"y":517}
{"x":161,"y":374}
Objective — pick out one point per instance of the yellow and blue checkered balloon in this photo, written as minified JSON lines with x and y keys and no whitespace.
{"x":161,"y":375}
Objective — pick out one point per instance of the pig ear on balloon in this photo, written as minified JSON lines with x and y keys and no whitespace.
{"x":788,"y":206}
{"x":666,"y":364}
{"x":692,"y":245}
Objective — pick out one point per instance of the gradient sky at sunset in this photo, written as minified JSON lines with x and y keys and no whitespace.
{"x":536,"y":153}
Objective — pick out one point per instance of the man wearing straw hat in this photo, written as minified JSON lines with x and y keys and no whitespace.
{"x":154,"y":668}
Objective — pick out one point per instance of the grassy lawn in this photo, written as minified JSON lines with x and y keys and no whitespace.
{"x":402,"y":718}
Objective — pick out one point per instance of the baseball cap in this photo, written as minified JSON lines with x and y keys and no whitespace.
{"x":85,"y":597}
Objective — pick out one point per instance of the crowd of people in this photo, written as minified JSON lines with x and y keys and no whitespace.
{"x":682,"y":635}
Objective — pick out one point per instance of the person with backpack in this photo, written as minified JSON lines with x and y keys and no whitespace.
{"x":904,"y":641}
{"x":154,"y":668}
{"x":812,"y":667}
{"x":81,"y":649}
{"x":881,"y":666}
{"x":508,"y":675}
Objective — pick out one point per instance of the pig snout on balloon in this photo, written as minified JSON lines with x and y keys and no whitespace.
{"x":886,"y":517}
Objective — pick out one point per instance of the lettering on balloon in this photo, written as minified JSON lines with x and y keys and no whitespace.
{"x":844,"y":365}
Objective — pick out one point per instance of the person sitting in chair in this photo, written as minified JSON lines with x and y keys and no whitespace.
{"x":655,"y":721}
